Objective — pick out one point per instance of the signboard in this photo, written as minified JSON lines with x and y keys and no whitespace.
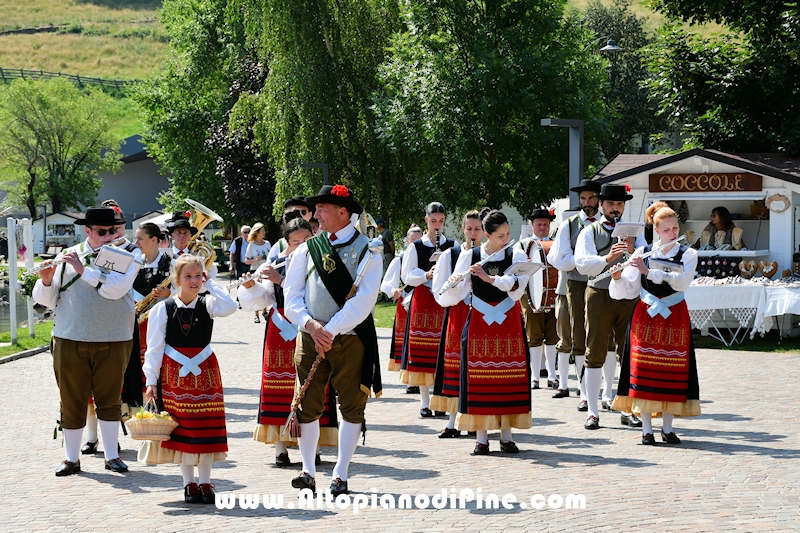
{"x":691,"y":183}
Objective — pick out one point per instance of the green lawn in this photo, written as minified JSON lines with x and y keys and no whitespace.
{"x":24,"y":342}
{"x":769,"y":343}
{"x":384,"y":314}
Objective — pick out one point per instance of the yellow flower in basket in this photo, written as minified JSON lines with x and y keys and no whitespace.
{"x":150,"y":424}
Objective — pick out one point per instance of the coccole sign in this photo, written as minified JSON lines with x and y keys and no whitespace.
{"x":691,"y":183}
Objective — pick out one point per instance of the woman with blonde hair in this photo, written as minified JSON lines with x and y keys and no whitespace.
{"x":658,"y":373}
{"x":256,"y":255}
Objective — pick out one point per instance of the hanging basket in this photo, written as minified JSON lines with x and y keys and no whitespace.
{"x":149,"y":424}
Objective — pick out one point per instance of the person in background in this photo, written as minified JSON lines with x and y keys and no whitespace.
{"x":238,"y":253}
{"x":3,"y":246}
{"x":257,"y":251}
{"x":388,"y":243}
{"x":720,"y":221}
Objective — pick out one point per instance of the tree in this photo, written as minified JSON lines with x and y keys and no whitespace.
{"x":56,"y":139}
{"x":465,"y":88}
{"x":734,"y":92}
{"x":630,"y":110}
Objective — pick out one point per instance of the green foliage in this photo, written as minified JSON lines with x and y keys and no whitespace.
{"x":732,"y":92}
{"x":465,"y":87}
{"x":630,"y":111}
{"x":56,"y":139}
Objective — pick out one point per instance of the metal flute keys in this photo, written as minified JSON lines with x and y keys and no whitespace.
{"x":619,"y":266}
{"x":81,"y":255}
{"x":458,"y":278}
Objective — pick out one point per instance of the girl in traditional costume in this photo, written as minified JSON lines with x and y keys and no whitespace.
{"x":425,"y":316}
{"x":182,"y":370}
{"x":448,"y":366}
{"x":495,"y":372}
{"x":278,"y":373}
{"x":658,"y":373}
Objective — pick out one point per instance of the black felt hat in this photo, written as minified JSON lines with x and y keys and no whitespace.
{"x":180,"y":219}
{"x":542,"y":213}
{"x":586,"y":185}
{"x":615,"y":193}
{"x":297,"y":201}
{"x":101,"y":216}
{"x":337,"y":195}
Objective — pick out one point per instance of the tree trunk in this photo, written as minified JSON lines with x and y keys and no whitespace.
{"x":30,"y":200}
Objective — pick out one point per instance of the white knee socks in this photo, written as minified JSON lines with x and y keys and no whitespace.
{"x":349,"y":433}
{"x":204,"y":473}
{"x":280,"y":447}
{"x":451,"y":423}
{"x":550,"y":356}
{"x":536,"y":357}
{"x":647,"y":423}
{"x":592,"y":377}
{"x":505,"y":434}
{"x":482,"y":436}
{"x":187,"y":471}
{"x":307,"y":443}
{"x":72,"y":444}
{"x":424,"y":398}
{"x":579,"y":370}
{"x":110,"y":431}
{"x":91,"y":428}
{"x":563,"y":370}
{"x":668,"y":418}
{"x":609,"y":368}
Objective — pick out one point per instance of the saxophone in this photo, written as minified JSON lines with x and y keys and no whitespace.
{"x":201,"y":218}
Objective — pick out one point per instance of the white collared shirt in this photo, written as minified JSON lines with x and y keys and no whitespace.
{"x":410,"y":273}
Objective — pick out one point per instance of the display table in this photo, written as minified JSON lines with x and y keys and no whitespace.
{"x":715,"y":303}
{"x":778,"y":301}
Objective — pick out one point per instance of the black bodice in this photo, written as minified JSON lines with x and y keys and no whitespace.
{"x":280,"y":267}
{"x":481,"y":289}
{"x":424,"y":253}
{"x":149,"y":278}
{"x":188,"y":328}
{"x":661,"y":290}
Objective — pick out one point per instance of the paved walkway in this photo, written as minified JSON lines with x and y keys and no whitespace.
{"x":737,"y":469}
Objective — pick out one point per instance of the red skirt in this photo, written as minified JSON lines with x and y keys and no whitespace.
{"x":495,"y":373}
{"x":278,"y":376}
{"x":423,"y":333}
{"x":196,"y":403}
{"x":448,"y":368}
{"x":398,"y":336}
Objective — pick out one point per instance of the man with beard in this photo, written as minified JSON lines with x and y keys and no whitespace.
{"x":595,"y":252}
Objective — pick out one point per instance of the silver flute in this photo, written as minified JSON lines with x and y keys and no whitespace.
{"x":250,"y":276}
{"x":459,"y":277}
{"x":619,"y":266}
{"x":36,"y":270}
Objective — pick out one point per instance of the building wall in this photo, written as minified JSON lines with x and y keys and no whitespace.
{"x":136,"y":187}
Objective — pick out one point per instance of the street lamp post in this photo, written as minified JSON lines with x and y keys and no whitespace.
{"x":323,"y":166}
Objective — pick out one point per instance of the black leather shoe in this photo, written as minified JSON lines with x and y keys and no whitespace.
{"x":630,"y":420}
{"x":439,"y":413}
{"x":543,"y":373}
{"x":648,"y":440}
{"x":578,"y":393}
{"x":191,"y":493}
{"x":116,"y":465}
{"x":412,"y":390}
{"x":317,"y":460}
{"x":89,"y":448}
{"x":670,"y":438}
{"x":207,"y":493}
{"x":561,"y":393}
{"x":592,"y":423}
{"x":508,"y":447}
{"x":338,"y":487}
{"x":535,"y":385}
{"x":448,"y":433}
{"x":552,"y":384}
{"x":472,"y":433}
{"x":426,"y":413}
{"x":304,"y":481}
{"x":583,"y":406}
{"x":606,"y":405}
{"x":68,"y":468}
{"x":283,"y":460}
{"x":481,"y":449}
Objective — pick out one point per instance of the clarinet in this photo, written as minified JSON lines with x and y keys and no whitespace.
{"x":471,"y":246}
{"x":436,"y":249}
{"x":625,"y":254}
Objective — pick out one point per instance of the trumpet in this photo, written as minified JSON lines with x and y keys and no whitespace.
{"x":460,"y":277}
{"x":620,"y":266}
{"x":90,"y":251}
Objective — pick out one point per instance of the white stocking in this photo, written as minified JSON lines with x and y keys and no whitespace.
{"x":424,"y":398}
{"x":187,"y":471}
{"x":72,"y":443}
{"x":550,"y":356}
{"x":668,"y":418}
{"x":579,"y":373}
{"x":542,"y":362}
{"x":536,"y":356}
{"x":110,"y":431}
{"x":482,"y":436}
{"x":91,"y":427}
{"x":307,"y":443}
{"x":505,"y":434}
{"x":647,"y":422}
{"x":348,"y":440}
{"x":280,"y":447}
{"x":204,"y":473}
{"x":451,"y":424}
{"x":563,"y":370}
{"x":592,"y":377}
{"x":609,"y":368}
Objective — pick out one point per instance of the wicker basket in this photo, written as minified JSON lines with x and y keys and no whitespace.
{"x":150,"y":428}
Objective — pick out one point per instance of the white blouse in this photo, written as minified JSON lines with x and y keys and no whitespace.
{"x":411,"y":273}
{"x":629,"y":286}
{"x":218,"y":304}
{"x":502,"y":282}
{"x":391,"y":279}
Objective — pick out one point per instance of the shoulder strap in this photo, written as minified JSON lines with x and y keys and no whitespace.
{"x":330,"y":267}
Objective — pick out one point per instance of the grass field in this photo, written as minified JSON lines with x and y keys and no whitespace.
{"x":42,"y":332}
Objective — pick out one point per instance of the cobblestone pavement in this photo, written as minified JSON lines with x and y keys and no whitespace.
{"x":737,"y":468}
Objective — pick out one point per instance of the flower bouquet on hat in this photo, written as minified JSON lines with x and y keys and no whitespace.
{"x":150,"y":424}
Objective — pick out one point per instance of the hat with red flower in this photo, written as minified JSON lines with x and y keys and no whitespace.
{"x":337,"y":195}
{"x":101,"y":216}
{"x":615,"y":193}
{"x":180,"y":219}
{"x":542,"y":213}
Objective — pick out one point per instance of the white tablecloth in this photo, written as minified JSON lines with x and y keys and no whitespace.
{"x":742,"y":301}
{"x":778,"y":301}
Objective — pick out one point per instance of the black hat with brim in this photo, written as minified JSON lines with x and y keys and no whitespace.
{"x":101,"y":216}
{"x":541,"y":213}
{"x":336,"y":195}
{"x":586,"y":185}
{"x":615,"y":193}
{"x":297,"y":201}
{"x":180,"y":220}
